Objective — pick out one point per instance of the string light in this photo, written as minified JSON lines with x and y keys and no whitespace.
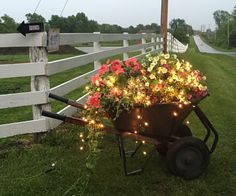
{"x":175,"y":113}
{"x":143,"y":142}
{"x":101,"y":125}
{"x":144,"y":153}
{"x":188,"y":122}
{"x":82,"y":140}
{"x":81,"y":135}
{"x":81,"y":148}
{"x":136,"y":142}
{"x":146,"y":124}
{"x":138,"y":116}
{"x":180,"y":106}
{"x":85,"y":106}
{"x":135,"y":132}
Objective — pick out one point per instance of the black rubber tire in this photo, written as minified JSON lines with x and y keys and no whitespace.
{"x":188,"y":157}
{"x":183,"y":131}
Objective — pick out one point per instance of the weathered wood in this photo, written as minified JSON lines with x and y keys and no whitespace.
{"x":96,"y":48}
{"x":164,"y":21}
{"x":23,"y":99}
{"x":18,"y":40}
{"x":73,"y":84}
{"x":125,"y":44}
{"x":22,"y":69}
{"x":32,"y":126}
{"x":39,"y":83}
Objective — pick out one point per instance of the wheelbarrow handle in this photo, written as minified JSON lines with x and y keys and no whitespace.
{"x":54,"y":115}
{"x":67,"y":101}
{"x":64,"y":118}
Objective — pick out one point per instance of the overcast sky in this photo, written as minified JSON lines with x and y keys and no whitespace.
{"x":122,"y":12}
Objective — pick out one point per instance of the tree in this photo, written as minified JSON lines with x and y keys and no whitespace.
{"x":221,"y":18}
{"x":35,"y":18}
{"x":180,"y":30}
{"x":7,"y":24}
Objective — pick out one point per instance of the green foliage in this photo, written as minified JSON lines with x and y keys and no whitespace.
{"x":7,"y":24}
{"x":181,"y":30}
{"x":35,"y":18}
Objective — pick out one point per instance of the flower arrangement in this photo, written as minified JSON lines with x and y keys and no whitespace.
{"x":161,"y":78}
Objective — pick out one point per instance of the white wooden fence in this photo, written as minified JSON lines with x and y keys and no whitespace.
{"x":39,"y":69}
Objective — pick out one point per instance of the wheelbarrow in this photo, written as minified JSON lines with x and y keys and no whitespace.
{"x":163,"y":126}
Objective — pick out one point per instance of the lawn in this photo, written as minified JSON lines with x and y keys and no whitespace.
{"x":26,"y":168}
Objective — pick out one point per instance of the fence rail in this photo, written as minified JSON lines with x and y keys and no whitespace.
{"x":39,"y":69}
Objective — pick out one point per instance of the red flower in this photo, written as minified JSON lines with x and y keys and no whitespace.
{"x":167,"y":66}
{"x":116,"y":67}
{"x":94,"y":100}
{"x":95,"y":79}
{"x":133,"y":64}
{"x":103,"y":69}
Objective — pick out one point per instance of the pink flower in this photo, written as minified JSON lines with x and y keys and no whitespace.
{"x":95,"y":79}
{"x":116,"y":67}
{"x":94,"y":100}
{"x":116,"y":92}
{"x":103,"y":69}
{"x":133,"y":64}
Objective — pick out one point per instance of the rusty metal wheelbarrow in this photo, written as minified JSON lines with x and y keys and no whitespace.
{"x":163,"y":126}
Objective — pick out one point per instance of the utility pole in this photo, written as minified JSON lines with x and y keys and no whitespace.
{"x":164,"y":20}
{"x":228,"y":31}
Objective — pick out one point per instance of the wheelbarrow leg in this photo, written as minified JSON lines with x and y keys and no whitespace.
{"x":123,"y":157}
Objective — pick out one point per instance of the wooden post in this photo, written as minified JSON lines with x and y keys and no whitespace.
{"x":143,"y":42}
{"x":125,"y":44}
{"x":96,"y":48}
{"x":39,"y":83}
{"x":164,"y":20}
{"x":153,"y":41}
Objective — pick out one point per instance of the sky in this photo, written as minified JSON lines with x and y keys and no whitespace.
{"x":122,"y":12}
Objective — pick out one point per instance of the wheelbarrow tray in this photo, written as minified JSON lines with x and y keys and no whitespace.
{"x":159,"y":120}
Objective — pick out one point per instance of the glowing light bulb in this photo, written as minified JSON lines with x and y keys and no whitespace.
{"x":81,"y":148}
{"x":101,"y":126}
{"x":180,"y":106}
{"x":187,"y":122}
{"x":144,"y":153}
{"x":82,"y":140}
{"x":143,"y":142}
{"x":135,"y":132}
{"x":146,"y":124}
{"x":85,"y":106}
{"x":138,"y":116}
{"x":81,"y":135}
{"x":136,"y":142}
{"x":175,"y":113}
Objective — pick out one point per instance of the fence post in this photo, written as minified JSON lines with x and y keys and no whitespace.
{"x":39,"y":83}
{"x":125,"y":44}
{"x":153,"y":41}
{"x":143,"y":42}
{"x":96,"y":48}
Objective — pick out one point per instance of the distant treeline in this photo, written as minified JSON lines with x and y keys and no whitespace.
{"x":78,"y":23}
{"x":225,"y":35}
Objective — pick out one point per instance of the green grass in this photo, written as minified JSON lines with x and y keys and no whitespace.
{"x":23,"y":165}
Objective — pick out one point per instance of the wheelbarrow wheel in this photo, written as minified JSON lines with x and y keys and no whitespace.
{"x":188,"y":157}
{"x":182,"y":131}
